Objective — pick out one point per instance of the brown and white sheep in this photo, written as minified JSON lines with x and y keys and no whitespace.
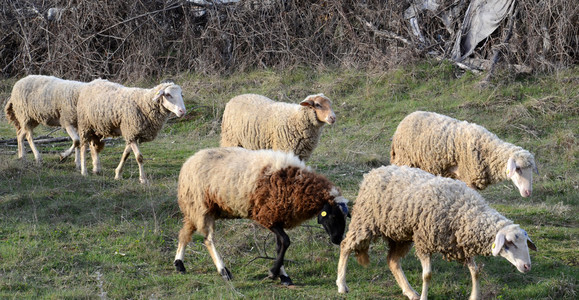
{"x":257,"y":122}
{"x":47,"y":100}
{"x":272,"y":188}
{"x":457,"y":149}
{"x":408,"y":206}
{"x":110,"y":109}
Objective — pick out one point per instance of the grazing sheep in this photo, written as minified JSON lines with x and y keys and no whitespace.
{"x":439,"y":215}
{"x":110,"y":109}
{"x":465,"y":151}
{"x":47,"y":100}
{"x":257,"y":122}
{"x":272,"y":188}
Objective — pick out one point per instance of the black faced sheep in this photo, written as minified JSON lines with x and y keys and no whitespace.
{"x":272,"y":188}
{"x":465,"y":151}
{"x":407,"y":206}
{"x":257,"y":122}
{"x":110,"y":109}
{"x":47,"y":100}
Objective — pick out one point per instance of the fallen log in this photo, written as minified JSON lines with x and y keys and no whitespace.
{"x":42,"y":140}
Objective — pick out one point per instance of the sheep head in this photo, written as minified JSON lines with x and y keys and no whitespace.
{"x":322,"y":107}
{"x":172,"y":98}
{"x":513,"y":243}
{"x":333,"y":217}
{"x":521,"y":173}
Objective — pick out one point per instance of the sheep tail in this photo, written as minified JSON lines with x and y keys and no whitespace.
{"x":362,"y":257}
{"x":10,"y":115}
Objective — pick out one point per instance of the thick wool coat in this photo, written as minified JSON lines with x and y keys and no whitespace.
{"x":47,"y":100}
{"x":108,"y":109}
{"x":269,"y":187}
{"x":257,"y":122}
{"x":445,"y":146}
{"x":437,"y":214}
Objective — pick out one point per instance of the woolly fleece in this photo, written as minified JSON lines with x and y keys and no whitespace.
{"x":437,"y":144}
{"x":270,"y":187}
{"x":256,"y":122}
{"x":440,"y":215}
{"x":47,"y":100}
{"x":109,"y":109}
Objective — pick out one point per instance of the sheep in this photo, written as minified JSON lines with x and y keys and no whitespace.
{"x":273,"y":188}
{"x":109,"y":109}
{"x":407,"y":205}
{"x":47,"y":100}
{"x":466,"y":151}
{"x":257,"y":122}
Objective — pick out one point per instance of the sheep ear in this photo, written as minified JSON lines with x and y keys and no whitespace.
{"x":511,"y":167}
{"x":344,"y":209}
{"x":535,"y":169}
{"x":307,"y":102}
{"x":498,"y":244}
{"x":158,"y":95}
{"x":531,"y":245}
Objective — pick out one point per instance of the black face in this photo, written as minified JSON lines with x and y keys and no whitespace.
{"x":334,"y":221}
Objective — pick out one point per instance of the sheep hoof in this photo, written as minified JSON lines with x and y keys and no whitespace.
{"x":226,"y":274}
{"x":285,"y":280}
{"x":179,"y":266}
{"x":343,"y":289}
{"x":412,"y":296}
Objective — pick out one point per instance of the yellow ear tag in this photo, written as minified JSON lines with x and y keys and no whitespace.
{"x":324,"y":214}
{"x":493,"y":245}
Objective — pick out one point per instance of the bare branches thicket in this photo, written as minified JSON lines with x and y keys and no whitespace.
{"x":130,"y":40}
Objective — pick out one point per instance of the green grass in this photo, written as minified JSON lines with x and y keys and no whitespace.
{"x":65,"y":236}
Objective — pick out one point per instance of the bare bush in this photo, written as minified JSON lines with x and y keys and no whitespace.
{"x":130,"y":40}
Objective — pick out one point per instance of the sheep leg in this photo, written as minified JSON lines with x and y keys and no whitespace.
{"x":20,"y":139}
{"x":75,"y":144}
{"x":396,"y":252}
{"x":474,"y":271}
{"x":282,"y":243}
{"x":83,"y":171}
{"x":94,"y":153}
{"x":77,"y":157}
{"x":209,"y":223}
{"x":30,"y":140}
{"x":124,"y":157}
{"x":426,"y":274}
{"x":139,"y":158}
{"x":184,"y":239}
{"x":342,"y":266}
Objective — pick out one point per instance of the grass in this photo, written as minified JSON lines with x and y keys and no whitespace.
{"x":64,"y":236}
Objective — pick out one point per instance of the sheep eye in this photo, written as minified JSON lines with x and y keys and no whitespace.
{"x":318,"y":105}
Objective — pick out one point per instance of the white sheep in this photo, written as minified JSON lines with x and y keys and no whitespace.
{"x":47,"y":100}
{"x":257,"y":122}
{"x":110,"y":109}
{"x":465,"y":151}
{"x":408,"y":206}
{"x":272,"y":188}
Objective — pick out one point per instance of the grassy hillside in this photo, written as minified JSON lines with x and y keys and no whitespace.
{"x":64,"y":236}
